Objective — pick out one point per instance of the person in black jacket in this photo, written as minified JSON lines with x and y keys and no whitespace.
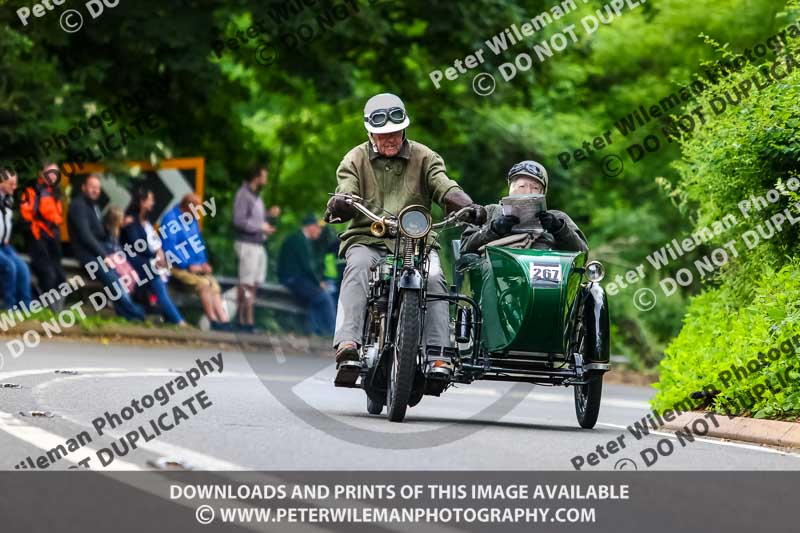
{"x":558,"y":230}
{"x":297,"y":271}
{"x":15,"y":278}
{"x":89,"y":240}
{"x":137,"y":227}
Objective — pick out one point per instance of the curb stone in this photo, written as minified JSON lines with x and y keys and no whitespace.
{"x":755,"y":430}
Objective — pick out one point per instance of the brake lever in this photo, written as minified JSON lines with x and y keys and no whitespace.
{"x":453,"y":217}
{"x":347,"y":197}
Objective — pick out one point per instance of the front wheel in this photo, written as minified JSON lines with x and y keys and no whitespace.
{"x":403,"y":363}
{"x":373,"y":407}
{"x":587,"y":402}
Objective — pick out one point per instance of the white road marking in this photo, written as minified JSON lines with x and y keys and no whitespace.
{"x":325,"y":377}
{"x":32,"y":372}
{"x":326,"y":374}
{"x":40,"y":438}
{"x":158,"y":446}
{"x":552,"y":398}
{"x":45,"y":441}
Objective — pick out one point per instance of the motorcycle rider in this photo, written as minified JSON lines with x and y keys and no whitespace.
{"x":389,"y":172}
{"x":560,"y":232}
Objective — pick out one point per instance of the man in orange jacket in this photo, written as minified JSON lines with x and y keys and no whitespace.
{"x":41,"y":208}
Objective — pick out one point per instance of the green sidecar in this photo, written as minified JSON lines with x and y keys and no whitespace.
{"x":533,"y":316}
{"x":520,"y":315}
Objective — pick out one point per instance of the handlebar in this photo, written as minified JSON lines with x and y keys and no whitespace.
{"x":391,"y":222}
{"x":358,"y":203}
{"x":452,"y":217}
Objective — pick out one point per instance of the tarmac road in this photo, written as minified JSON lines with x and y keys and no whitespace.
{"x":280,"y":411}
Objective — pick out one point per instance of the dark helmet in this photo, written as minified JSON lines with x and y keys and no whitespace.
{"x":531,"y":169}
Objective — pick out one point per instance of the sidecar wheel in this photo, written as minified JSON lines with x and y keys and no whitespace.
{"x":373,"y":407}
{"x":587,"y":402}
{"x":403,"y":363}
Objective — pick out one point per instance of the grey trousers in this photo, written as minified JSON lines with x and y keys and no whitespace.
{"x":353,"y":297}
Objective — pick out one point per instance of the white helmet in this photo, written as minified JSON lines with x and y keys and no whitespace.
{"x":385,"y":113}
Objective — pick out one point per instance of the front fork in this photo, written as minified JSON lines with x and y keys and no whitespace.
{"x":411,"y":278}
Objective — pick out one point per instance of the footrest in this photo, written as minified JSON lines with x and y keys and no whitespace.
{"x":347,"y":374}
{"x":443,"y":373}
{"x":441,"y":352}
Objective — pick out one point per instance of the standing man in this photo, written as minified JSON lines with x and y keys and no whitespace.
{"x":16,"y":278}
{"x":41,"y":207}
{"x":390,"y":172}
{"x":298,"y":270}
{"x":90,"y":240}
{"x":251,"y":228}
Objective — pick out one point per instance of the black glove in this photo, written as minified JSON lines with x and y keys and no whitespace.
{"x":457,"y":199}
{"x":550,"y":222}
{"x":339,"y":210}
{"x":502,"y":225}
{"x":476,"y":215}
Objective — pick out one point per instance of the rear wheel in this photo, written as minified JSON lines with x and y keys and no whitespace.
{"x":403,"y":363}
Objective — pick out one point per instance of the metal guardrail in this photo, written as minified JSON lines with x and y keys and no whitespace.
{"x":269,"y":295}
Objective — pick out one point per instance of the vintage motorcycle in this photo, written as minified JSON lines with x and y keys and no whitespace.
{"x":533,"y":316}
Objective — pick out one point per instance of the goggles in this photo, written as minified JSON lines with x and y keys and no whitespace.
{"x":380,"y":117}
{"x":526,"y":169}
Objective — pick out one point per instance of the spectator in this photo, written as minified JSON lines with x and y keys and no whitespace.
{"x":113,"y":223}
{"x":90,"y":243}
{"x":299,"y":270}
{"x":137,"y":227}
{"x":41,"y":208}
{"x":16,"y":278}
{"x":326,"y":251}
{"x":191,"y":268}
{"x":251,"y":227}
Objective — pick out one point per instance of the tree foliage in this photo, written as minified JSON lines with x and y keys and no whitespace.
{"x":304,"y":111}
{"x":753,"y":303}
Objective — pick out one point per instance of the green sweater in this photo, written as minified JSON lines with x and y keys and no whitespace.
{"x":416,"y":175}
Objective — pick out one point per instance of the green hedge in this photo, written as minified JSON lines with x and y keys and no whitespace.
{"x":752,"y":304}
{"x":718,"y":334}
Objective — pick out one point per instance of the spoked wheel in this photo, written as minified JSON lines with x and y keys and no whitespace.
{"x":403,"y":362}
{"x":587,"y":397}
{"x":373,"y":407}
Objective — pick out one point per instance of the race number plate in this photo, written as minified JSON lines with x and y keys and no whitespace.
{"x":545,"y":273}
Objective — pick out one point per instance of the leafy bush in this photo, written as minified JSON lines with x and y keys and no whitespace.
{"x":718,"y":334}
{"x":753,"y":303}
